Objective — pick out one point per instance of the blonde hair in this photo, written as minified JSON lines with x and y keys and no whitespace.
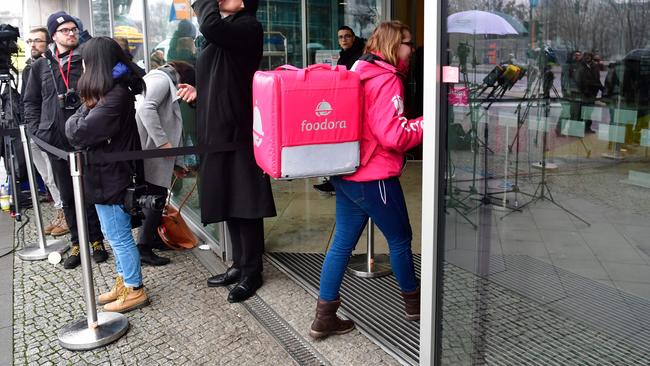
{"x":387,"y":39}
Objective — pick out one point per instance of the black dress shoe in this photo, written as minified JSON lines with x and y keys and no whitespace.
{"x":147,"y":256}
{"x":245,"y":288}
{"x":325,"y":187}
{"x":227,"y":278}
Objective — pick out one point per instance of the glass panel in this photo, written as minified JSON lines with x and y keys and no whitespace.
{"x":282,"y":23}
{"x":101,"y":23}
{"x":324,"y":17}
{"x":127,"y":24}
{"x":173,"y":36}
{"x":546,"y":244}
{"x":305,"y":221}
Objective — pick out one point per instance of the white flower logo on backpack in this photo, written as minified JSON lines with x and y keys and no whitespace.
{"x":323,"y":109}
{"x":258,"y":133}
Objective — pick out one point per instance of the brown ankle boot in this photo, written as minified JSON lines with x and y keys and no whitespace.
{"x":327,"y":322}
{"x":412,"y":304}
{"x":111,"y":295}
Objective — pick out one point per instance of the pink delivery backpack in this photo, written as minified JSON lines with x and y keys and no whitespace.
{"x":307,"y":122}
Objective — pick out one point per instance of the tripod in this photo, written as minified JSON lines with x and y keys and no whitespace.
{"x":543,"y":191}
{"x":474,"y":120}
{"x":505,"y":78}
{"x":8,"y":145}
{"x":532,"y":92}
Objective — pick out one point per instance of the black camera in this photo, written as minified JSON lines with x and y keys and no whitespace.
{"x":136,"y":200}
{"x":8,"y":46}
{"x":69,"y":100}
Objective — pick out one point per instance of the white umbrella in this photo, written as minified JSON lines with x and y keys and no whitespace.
{"x":478,"y":22}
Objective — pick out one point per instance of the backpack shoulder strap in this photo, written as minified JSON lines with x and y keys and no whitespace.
{"x":370,"y":57}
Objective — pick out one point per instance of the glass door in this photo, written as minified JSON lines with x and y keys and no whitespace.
{"x":545,"y":179}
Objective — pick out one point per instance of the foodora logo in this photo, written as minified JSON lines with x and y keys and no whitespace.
{"x":323,"y":109}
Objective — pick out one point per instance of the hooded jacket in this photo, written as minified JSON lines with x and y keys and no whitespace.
{"x":387,"y":134}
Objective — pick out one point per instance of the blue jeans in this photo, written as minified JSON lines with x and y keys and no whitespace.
{"x":383,"y":201}
{"x":116,"y":227}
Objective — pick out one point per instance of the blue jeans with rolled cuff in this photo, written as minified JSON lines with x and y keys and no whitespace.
{"x":383,"y":201}
{"x":116,"y":226}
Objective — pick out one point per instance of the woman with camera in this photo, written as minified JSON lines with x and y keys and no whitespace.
{"x":161,"y":126}
{"x":374,"y":189}
{"x":105,"y":123}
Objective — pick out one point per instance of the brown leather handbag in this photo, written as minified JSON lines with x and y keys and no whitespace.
{"x":173,"y":229}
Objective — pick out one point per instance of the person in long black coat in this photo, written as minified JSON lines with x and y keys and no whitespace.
{"x":232,"y":187}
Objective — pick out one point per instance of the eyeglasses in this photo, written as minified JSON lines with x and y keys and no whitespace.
{"x":409,"y":43}
{"x":66,"y":31}
{"x":30,"y":41}
{"x":346,"y":36}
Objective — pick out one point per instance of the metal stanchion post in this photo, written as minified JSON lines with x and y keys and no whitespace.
{"x":45,"y":247}
{"x":370,"y":265}
{"x":98,"y":329}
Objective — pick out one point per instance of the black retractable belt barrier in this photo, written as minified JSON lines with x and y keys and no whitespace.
{"x":98,"y":157}
{"x":61,"y":154}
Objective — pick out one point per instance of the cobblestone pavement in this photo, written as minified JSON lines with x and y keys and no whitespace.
{"x":186,"y":323}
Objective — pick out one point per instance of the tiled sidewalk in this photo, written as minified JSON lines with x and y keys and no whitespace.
{"x":186,"y":323}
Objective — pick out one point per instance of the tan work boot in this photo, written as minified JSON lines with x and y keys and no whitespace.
{"x":54,"y":223}
{"x":61,"y":228}
{"x":128,"y":299}
{"x":111,"y":295}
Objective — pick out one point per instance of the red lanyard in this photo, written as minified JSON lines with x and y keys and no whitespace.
{"x":66,"y":77}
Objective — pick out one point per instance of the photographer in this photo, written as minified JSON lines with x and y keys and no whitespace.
{"x":160,"y":126}
{"x":105,"y":123}
{"x":38,"y":41}
{"x":50,"y":98}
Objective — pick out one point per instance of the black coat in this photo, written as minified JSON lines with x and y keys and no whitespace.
{"x":351,"y":55}
{"x":589,"y":81}
{"x":231,"y":185}
{"x":109,"y":127}
{"x":43,"y":115}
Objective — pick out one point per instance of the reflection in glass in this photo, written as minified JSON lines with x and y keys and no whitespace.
{"x":173,"y":36}
{"x":546,"y":238}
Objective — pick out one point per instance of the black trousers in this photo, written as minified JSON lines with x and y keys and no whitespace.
{"x":63,"y":181}
{"x":148,"y":232}
{"x":247,"y":237}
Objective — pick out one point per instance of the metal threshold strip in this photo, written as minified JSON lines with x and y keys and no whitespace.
{"x":375,"y":305}
{"x":292,"y":342}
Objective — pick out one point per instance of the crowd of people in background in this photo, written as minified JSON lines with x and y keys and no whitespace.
{"x":581,"y":83}
{"x":87,"y":93}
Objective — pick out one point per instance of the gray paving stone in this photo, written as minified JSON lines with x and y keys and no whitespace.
{"x":183,"y":312}
{"x":6,"y":340}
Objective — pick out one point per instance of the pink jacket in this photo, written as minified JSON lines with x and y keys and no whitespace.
{"x":387,"y":134}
